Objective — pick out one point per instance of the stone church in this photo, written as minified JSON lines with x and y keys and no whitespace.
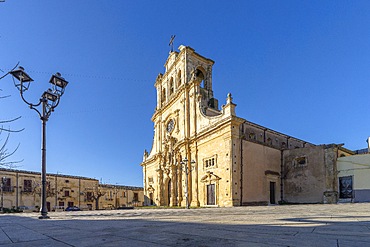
{"x":203,"y":154}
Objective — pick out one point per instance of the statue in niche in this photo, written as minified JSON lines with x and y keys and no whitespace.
{"x":160,"y":159}
{"x":178,"y":158}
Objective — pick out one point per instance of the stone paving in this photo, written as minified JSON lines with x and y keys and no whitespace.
{"x":289,"y":225}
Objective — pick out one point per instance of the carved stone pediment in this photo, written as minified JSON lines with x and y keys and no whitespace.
{"x":208,"y":177}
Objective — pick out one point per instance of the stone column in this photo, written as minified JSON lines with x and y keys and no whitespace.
{"x":179,"y":185}
{"x":173,"y":186}
{"x":195,"y":200}
{"x":160,"y":187}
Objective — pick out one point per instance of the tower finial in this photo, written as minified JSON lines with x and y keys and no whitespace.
{"x":229,"y":98}
{"x":171,"y":42}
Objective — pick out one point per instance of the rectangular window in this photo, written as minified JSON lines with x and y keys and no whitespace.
{"x":300,"y":161}
{"x":7,"y":184}
{"x":27,"y":185}
{"x":136,"y":197}
{"x":89,"y":196}
{"x":209,"y":163}
{"x":66,"y":193}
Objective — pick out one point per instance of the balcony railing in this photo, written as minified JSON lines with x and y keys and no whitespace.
{"x":8,"y":189}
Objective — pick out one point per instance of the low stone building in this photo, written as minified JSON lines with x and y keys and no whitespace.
{"x":23,"y":189}
{"x":118,"y":196}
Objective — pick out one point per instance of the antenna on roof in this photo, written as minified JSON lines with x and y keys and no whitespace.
{"x":171,"y":42}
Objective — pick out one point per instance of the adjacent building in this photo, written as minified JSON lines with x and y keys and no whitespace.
{"x":310,"y":174}
{"x":205,"y":155}
{"x":118,"y":196}
{"x":353,"y":178}
{"x":23,"y":189}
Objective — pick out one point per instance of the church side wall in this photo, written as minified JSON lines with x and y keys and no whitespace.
{"x":261,"y":166}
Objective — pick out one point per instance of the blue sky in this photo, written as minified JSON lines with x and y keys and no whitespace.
{"x":298,"y":67}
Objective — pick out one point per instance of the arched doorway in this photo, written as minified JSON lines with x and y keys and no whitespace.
{"x":169,"y":192}
{"x":151,"y":201}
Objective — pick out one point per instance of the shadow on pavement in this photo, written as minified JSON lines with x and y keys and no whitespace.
{"x":183,"y":230}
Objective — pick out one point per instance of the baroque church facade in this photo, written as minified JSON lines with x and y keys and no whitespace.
{"x":205,"y":155}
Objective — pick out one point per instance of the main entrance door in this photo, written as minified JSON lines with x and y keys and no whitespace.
{"x":151,"y":201}
{"x":211,"y":198}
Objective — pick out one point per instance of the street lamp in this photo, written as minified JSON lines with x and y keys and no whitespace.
{"x":48,"y":102}
{"x":184,"y":163}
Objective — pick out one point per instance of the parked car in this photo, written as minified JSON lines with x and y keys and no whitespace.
{"x":27,"y":209}
{"x":73,"y":208}
{"x":123,"y":207}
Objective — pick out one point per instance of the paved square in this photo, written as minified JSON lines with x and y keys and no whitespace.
{"x":289,"y":225}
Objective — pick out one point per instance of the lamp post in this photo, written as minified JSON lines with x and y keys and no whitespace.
{"x":184,"y":163}
{"x":48,"y":102}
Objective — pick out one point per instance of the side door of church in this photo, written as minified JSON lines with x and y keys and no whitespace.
{"x":272,"y":192}
{"x":211,"y":198}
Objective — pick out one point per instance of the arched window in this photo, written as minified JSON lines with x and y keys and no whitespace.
{"x":269,"y":141}
{"x":179,"y":82}
{"x":163,"y":95}
{"x":200,"y":76}
{"x":172,"y":89}
{"x":252,"y":136}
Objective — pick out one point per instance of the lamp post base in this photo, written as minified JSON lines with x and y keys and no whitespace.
{"x":42,"y":217}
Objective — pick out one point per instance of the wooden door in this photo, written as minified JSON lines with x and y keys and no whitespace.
{"x":211,"y":198}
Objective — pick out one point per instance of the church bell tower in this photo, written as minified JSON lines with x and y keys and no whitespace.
{"x":184,"y":97}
